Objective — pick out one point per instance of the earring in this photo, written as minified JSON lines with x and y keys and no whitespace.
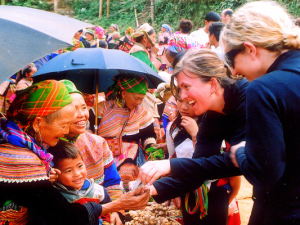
{"x":40,"y":136}
{"x":123,"y":103}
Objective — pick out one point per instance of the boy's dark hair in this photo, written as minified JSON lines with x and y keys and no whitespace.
{"x":228,"y":12}
{"x":212,"y":16}
{"x":185,"y":26}
{"x":102,"y":44}
{"x":63,"y":150}
{"x":215,"y":28}
{"x":178,"y":57}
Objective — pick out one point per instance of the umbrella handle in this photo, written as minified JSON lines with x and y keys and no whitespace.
{"x":75,"y":63}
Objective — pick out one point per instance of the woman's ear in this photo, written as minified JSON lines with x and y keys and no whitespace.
{"x":214,"y":85}
{"x":123,"y":93}
{"x":250,"y":49}
{"x":36,"y":123}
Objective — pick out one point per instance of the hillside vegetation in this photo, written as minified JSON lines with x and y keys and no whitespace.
{"x":166,"y":11}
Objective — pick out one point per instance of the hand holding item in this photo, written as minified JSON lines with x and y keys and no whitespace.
{"x":136,"y":199}
{"x":233,"y":150}
{"x":150,"y":171}
{"x":190,"y":125}
{"x":54,"y":174}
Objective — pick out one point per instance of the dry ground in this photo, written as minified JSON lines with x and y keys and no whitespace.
{"x":245,"y":201}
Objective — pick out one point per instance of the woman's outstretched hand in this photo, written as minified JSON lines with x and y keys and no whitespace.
{"x":150,"y":171}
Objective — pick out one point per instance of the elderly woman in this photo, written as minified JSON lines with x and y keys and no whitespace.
{"x":125,"y":124}
{"x":41,"y":114}
{"x":145,"y":38}
{"x":96,"y":154}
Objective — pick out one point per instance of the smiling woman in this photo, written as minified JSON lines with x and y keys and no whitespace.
{"x":39,"y":115}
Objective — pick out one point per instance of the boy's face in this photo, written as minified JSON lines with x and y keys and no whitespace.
{"x":73,"y":172}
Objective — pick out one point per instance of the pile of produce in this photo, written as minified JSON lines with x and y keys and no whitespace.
{"x":154,"y":214}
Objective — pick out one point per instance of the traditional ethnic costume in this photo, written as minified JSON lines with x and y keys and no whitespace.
{"x":113,"y":38}
{"x":89,"y":192}
{"x":25,"y":165}
{"x":128,"y":127}
{"x":97,"y":156}
{"x":138,"y":50}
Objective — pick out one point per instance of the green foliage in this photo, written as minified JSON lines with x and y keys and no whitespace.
{"x":37,"y":4}
{"x":121,"y":12}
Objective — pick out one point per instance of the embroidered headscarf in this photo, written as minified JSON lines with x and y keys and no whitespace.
{"x":144,"y":28}
{"x":100,"y":31}
{"x":168,"y":28}
{"x":70,"y":86}
{"x":91,"y":32}
{"x":39,"y":99}
{"x":177,"y":43}
{"x":130,"y":30}
{"x":133,"y":85}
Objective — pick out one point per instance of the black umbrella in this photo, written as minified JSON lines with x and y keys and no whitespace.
{"x":28,"y":34}
{"x":93,"y":69}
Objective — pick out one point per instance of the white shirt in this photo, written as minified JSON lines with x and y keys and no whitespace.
{"x":201,"y":36}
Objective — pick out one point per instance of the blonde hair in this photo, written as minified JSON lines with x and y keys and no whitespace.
{"x":205,"y":64}
{"x":265,"y":24}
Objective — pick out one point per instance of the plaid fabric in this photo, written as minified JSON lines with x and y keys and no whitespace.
{"x":177,"y":43}
{"x":76,"y":44}
{"x":140,"y":31}
{"x":11,"y":133}
{"x":70,"y":86}
{"x":39,"y":99}
{"x":133,"y":85}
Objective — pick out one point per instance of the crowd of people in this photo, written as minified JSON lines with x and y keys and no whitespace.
{"x":229,"y":107}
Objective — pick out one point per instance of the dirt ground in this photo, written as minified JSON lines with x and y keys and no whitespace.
{"x":245,"y":201}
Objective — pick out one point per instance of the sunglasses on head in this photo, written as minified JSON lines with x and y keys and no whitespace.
{"x":229,"y":56}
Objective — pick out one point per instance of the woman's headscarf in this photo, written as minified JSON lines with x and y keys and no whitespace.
{"x":133,"y":85}
{"x":177,"y":43}
{"x":40,"y":99}
{"x":70,"y":86}
{"x":91,"y":32}
{"x":130,"y":30}
{"x":141,"y":30}
{"x":115,"y":26}
{"x":168,"y":28}
{"x":100,"y":31}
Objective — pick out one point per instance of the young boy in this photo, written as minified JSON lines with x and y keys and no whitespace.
{"x":72,"y":182}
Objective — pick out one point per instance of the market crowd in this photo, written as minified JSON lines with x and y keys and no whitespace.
{"x":229,"y":107}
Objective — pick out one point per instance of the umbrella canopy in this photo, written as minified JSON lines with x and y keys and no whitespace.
{"x":28,"y":34}
{"x":85,"y":66}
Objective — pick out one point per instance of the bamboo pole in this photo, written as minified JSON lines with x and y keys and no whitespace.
{"x":55,"y":6}
{"x":2,"y":2}
{"x":152,"y":13}
{"x":96,"y":105}
{"x":136,"y":18}
{"x":108,"y":8}
{"x":100,"y":8}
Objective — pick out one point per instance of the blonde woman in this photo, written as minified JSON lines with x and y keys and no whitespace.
{"x":203,"y":81}
{"x":261,"y":43}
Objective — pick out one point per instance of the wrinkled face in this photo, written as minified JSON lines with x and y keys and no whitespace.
{"x":33,"y":71}
{"x":79,"y":122}
{"x":51,"y":133}
{"x":185,"y":109}
{"x":196,"y":92}
{"x":132,"y":100}
{"x":73,"y":172}
{"x":89,"y":37}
